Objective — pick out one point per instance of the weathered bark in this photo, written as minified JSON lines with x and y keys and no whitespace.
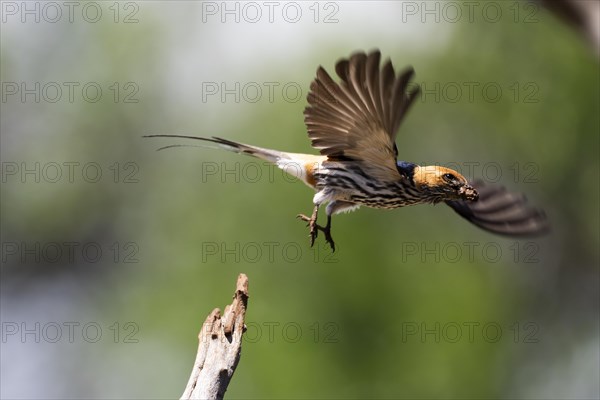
{"x":219,"y":348}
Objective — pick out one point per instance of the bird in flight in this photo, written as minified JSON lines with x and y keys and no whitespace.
{"x":353,"y":123}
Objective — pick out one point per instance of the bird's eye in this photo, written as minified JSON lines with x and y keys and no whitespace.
{"x":449,"y":177}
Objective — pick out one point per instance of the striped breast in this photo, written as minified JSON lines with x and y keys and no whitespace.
{"x":347,"y":181}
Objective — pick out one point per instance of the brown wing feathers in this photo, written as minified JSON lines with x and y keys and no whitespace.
{"x":332,"y":116}
{"x":367,"y":102}
{"x":402,"y":98}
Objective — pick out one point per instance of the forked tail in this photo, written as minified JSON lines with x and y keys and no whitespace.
{"x":301,"y":166}
{"x":265,"y":154}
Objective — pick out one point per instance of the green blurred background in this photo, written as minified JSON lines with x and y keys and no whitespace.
{"x":416,"y":303}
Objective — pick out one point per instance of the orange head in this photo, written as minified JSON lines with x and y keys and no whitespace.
{"x":440,"y":183}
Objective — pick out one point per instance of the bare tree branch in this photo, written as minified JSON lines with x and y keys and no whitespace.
{"x":219,"y":348}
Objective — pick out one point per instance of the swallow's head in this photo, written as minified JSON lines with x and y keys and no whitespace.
{"x":443,"y":184}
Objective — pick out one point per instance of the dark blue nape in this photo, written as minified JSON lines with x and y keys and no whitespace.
{"x":406,"y":168}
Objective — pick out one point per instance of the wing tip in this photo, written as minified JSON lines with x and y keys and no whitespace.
{"x":504,"y":213}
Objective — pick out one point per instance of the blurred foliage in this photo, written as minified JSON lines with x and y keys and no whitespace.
{"x":353,"y":307}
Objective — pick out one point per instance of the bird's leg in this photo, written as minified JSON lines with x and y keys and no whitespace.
{"x":312,"y":224}
{"x":315,"y":228}
{"x":327,"y":232}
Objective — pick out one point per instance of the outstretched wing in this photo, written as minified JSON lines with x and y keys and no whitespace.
{"x":502,"y":212}
{"x":357,"y":119}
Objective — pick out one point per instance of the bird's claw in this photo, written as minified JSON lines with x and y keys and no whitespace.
{"x":312,"y":224}
{"x":314,"y":231}
{"x":304,"y":218}
{"x":328,"y":238}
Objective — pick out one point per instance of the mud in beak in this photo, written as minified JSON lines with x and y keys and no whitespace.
{"x":467,"y":192}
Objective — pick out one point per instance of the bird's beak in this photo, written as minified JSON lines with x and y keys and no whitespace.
{"x":468,"y":192}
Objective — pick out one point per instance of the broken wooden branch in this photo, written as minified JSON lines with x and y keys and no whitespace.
{"x":219,"y":348}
